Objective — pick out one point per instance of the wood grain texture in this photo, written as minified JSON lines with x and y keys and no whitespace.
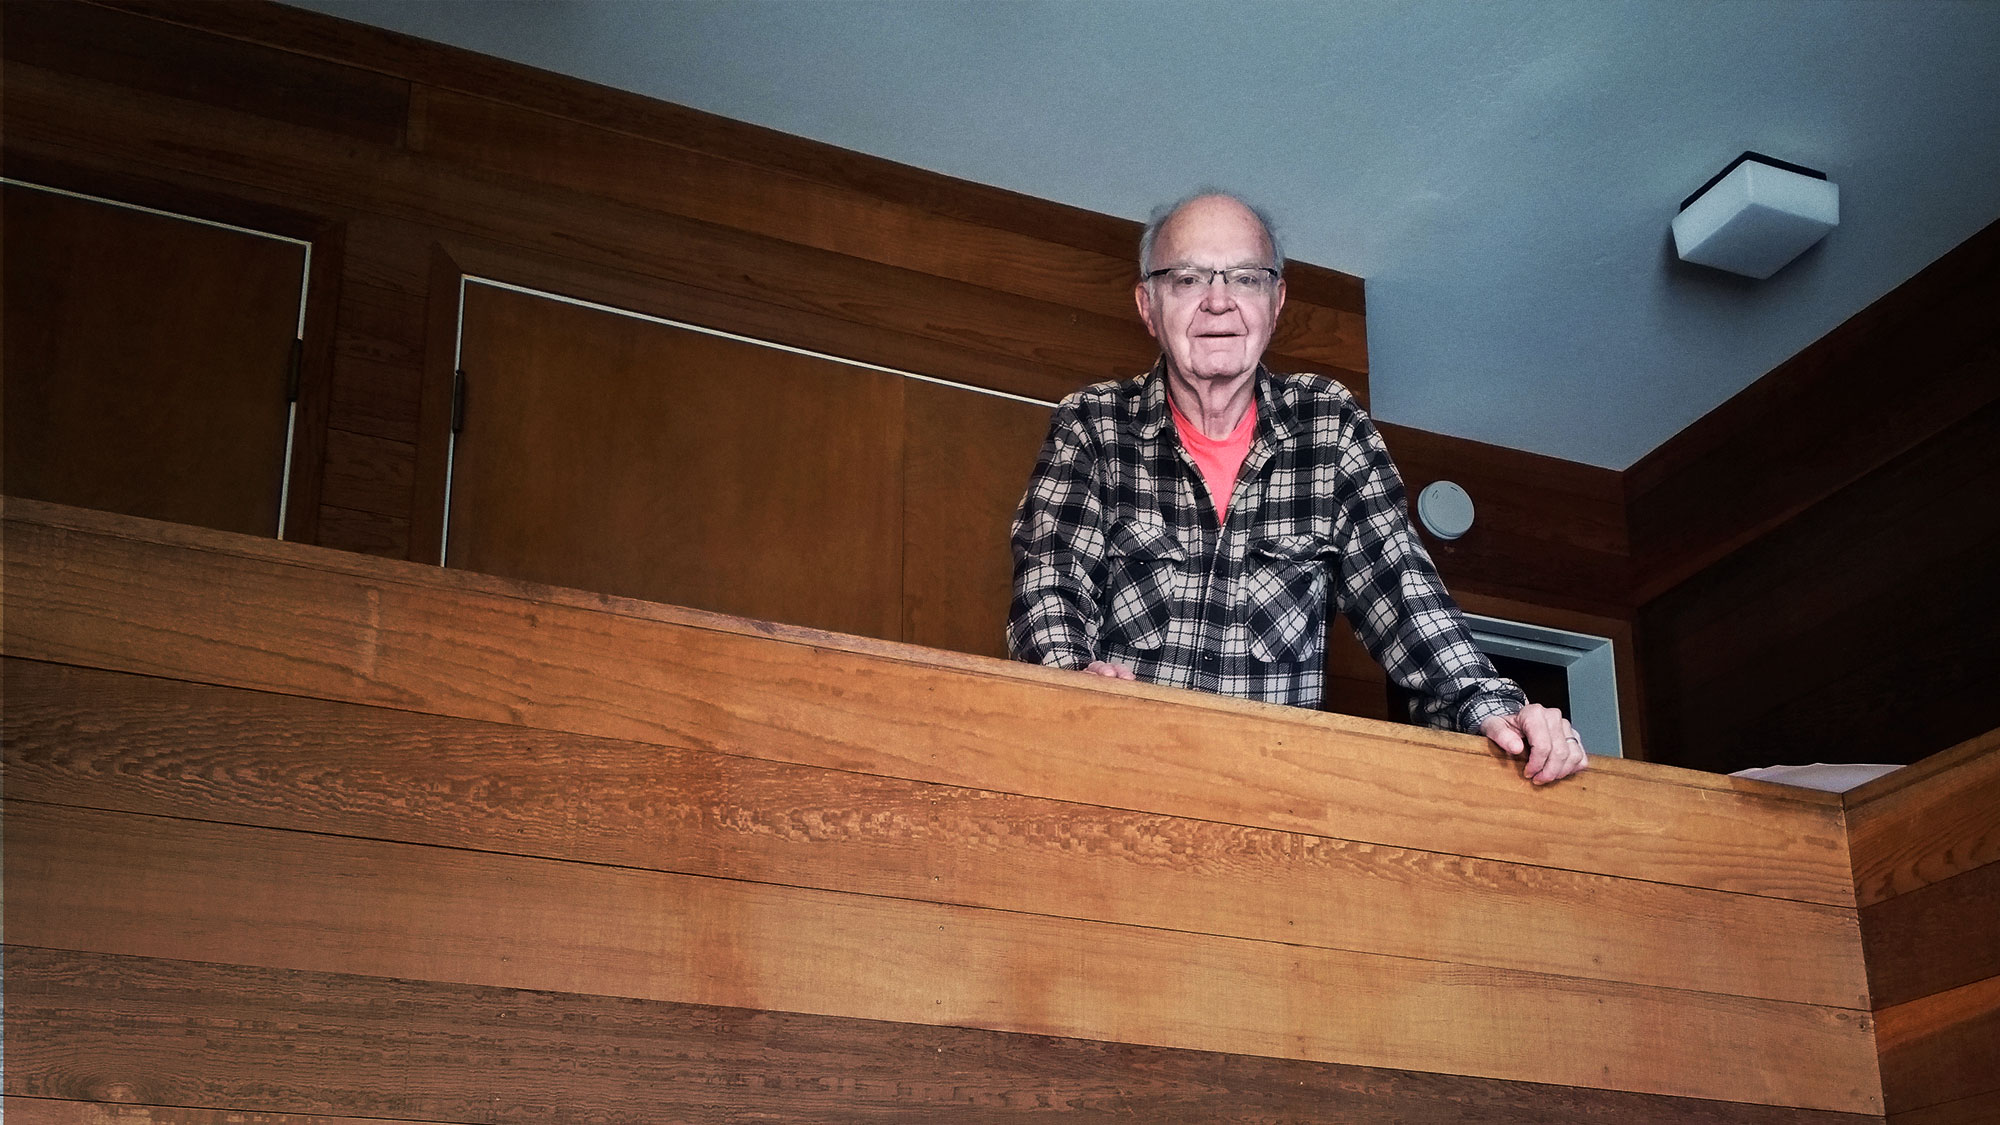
{"x":1934,"y":938}
{"x":1942,"y":1048}
{"x":371,"y":631}
{"x":1927,"y":822}
{"x":891,"y":304}
{"x":610,"y":453}
{"x":367,"y":474}
{"x":124,"y":1026}
{"x":129,"y":885}
{"x":1794,"y":437}
{"x":563,"y":153}
{"x":135,"y":744}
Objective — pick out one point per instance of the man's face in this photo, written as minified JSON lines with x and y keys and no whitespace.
{"x":1210,"y":334}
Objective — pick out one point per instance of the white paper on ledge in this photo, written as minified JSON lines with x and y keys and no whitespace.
{"x":1838,"y":777}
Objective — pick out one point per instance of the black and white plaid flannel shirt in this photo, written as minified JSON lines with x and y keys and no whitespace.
{"x":1117,"y":555}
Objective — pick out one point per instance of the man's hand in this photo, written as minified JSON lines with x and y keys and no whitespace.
{"x":1554,"y":751}
{"x":1109,"y":670}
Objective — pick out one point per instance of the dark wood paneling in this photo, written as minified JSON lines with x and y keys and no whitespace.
{"x":1941,"y":1048}
{"x":610,"y":453}
{"x":452,"y":69}
{"x":1937,"y":938}
{"x":167,"y":61}
{"x":1860,"y":631}
{"x":367,"y":474}
{"x":368,"y":533}
{"x":182,"y":1034}
{"x":1891,"y":378}
{"x":147,"y":361}
{"x":966,"y":462}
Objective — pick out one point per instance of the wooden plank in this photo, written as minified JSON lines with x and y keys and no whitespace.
{"x":371,"y":631}
{"x":1934,"y":938}
{"x":368,"y":474}
{"x":136,"y":744}
{"x":203,"y":1035}
{"x":370,"y":533}
{"x":58,"y":1111}
{"x":1942,"y":1047}
{"x":1942,"y":819}
{"x":144,"y":886}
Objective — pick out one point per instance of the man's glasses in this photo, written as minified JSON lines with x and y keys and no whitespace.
{"x":1244,"y":281}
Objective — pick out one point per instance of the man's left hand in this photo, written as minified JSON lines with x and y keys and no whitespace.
{"x":1553,"y":749}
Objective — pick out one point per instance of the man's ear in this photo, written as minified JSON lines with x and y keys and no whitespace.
{"x":1143,"y":297}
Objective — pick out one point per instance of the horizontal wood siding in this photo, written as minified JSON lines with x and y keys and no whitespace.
{"x":286,"y":802}
{"x":1926,"y":845}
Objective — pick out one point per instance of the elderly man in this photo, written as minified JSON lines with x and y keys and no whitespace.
{"x":1191,"y":526}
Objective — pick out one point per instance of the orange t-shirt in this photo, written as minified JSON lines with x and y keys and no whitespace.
{"x":1218,"y":459}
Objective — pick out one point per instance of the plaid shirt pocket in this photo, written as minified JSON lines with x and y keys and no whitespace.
{"x":1143,"y":563}
{"x":1284,"y":596}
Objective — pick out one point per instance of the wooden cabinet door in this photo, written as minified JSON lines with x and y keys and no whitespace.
{"x":623,"y":455}
{"x":148,"y":361}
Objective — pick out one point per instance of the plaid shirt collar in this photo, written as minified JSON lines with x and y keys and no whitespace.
{"x":1277,"y":425}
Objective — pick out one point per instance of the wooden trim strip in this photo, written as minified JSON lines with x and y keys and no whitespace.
{"x":145,"y":886}
{"x":134,"y":744}
{"x":424,"y":640}
{"x":199,"y":1035}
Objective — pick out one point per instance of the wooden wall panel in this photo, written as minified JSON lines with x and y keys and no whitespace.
{"x":123,"y":1027}
{"x":966,"y":461}
{"x":1926,"y":849}
{"x":1548,"y":531}
{"x":1910,"y":829}
{"x":1857,"y":632}
{"x":610,"y":453}
{"x":101,"y":592}
{"x":145,"y":886}
{"x":141,"y":745}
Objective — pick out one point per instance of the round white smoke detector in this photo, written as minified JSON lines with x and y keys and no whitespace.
{"x":1445,"y":509}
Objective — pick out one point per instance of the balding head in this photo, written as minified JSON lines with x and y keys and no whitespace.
{"x":1207,"y":199}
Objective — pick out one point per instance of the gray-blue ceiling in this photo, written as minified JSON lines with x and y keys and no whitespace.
{"x":1501,"y":173}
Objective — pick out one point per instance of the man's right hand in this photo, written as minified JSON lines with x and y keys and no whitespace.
{"x":1109,"y":670}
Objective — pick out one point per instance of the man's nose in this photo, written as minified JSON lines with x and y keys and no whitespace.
{"x":1216,"y":297}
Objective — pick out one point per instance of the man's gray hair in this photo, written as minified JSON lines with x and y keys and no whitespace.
{"x":1168,"y":210}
